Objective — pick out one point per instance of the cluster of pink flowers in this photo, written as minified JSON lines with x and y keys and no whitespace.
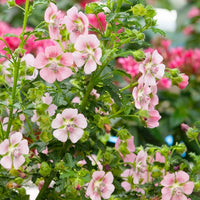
{"x":13,"y":150}
{"x":57,"y":62}
{"x":145,"y":93}
{"x":175,"y":186}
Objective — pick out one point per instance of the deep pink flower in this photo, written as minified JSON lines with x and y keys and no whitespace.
{"x":69,"y":124}
{"x":13,"y":150}
{"x":130,"y":65}
{"x":176,"y":186}
{"x":95,"y":23}
{"x":193,"y":12}
{"x":76,"y":23}
{"x":184,"y":83}
{"x":164,"y":83}
{"x":54,"y":64}
{"x":100,"y":186}
{"x":87,"y":52}
{"x":84,"y":2}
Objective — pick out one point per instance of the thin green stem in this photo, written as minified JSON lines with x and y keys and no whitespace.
{"x":197,"y":142}
{"x":88,"y":91}
{"x":57,"y":86}
{"x":132,"y":84}
{"x":47,"y":182}
{"x":14,"y":88}
{"x":101,"y":26}
{"x":16,"y":63}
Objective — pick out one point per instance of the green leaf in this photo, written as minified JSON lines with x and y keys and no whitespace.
{"x":157,"y":30}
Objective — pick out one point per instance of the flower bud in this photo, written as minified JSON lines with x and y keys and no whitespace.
{"x":192,"y":133}
{"x":45,"y":169}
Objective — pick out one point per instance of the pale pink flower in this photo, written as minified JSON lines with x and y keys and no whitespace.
{"x":145,"y":96}
{"x":13,"y":150}
{"x":152,"y":68}
{"x":54,"y":64}
{"x":69,"y":124}
{"x":100,"y":186}
{"x":76,"y":23}
{"x":54,"y":18}
{"x":193,"y":12}
{"x":29,"y":61}
{"x":87,"y":52}
{"x":176,"y":186}
{"x":129,"y":143}
{"x":152,"y":120}
{"x":184,"y":83}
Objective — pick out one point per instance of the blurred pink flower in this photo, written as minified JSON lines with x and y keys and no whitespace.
{"x":69,"y":124}
{"x":100,"y":185}
{"x":176,"y":186}
{"x":95,"y":23}
{"x":76,"y":23}
{"x":193,"y":12}
{"x":53,"y":64}
{"x":184,"y":83}
{"x":188,"y":30}
{"x":130,"y":65}
{"x":13,"y":150}
{"x":87,"y":52}
{"x":84,"y":2}
{"x":164,"y":83}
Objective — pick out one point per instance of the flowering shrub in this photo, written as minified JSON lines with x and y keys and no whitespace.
{"x":59,"y":107}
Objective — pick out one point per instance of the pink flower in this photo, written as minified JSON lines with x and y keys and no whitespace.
{"x":176,"y":186}
{"x":54,"y":18}
{"x":95,"y":23}
{"x":193,"y":12}
{"x":164,"y":83}
{"x":152,"y":120}
{"x":145,"y":96}
{"x":130,"y":65}
{"x":87,"y":52}
{"x":84,"y":2}
{"x":13,"y":150}
{"x":188,"y":30}
{"x":100,"y":185}
{"x":69,"y":124}
{"x":152,"y":68}
{"x":53,"y":64}
{"x":184,"y":83}
{"x":76,"y":23}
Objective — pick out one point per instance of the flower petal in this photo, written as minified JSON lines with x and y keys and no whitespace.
{"x":76,"y":134}
{"x":80,"y":121}
{"x":4,"y":147}
{"x":61,"y":135}
{"x":15,"y":138}
{"x":57,"y":122}
{"x":6,"y":162}
{"x":48,"y":75}
{"x":90,"y":66}
{"x":18,"y":161}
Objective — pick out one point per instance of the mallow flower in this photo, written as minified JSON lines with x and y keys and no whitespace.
{"x":176,"y":186}
{"x":88,"y":52}
{"x":54,"y":64}
{"x":69,"y":124}
{"x":13,"y":150}
{"x":100,"y":185}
